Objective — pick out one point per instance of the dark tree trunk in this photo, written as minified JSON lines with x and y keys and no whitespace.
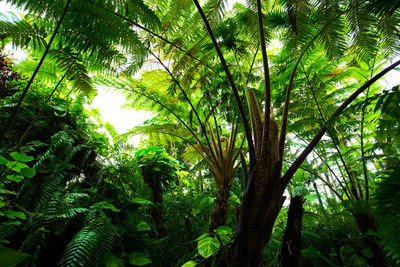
{"x":291,"y":241}
{"x":261,"y":204}
{"x":221,"y":208}
{"x":157,"y":211}
{"x":366,"y":223}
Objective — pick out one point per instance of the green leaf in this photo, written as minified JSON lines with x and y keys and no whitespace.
{"x":208,"y":246}
{"x":11,"y":223}
{"x":202,"y":237}
{"x":189,"y":264}
{"x":3,"y":160}
{"x":143,"y":226}
{"x":139,"y":259}
{"x":312,"y":252}
{"x":15,"y":214}
{"x":10,"y":257}
{"x":16,"y":166}
{"x":5,"y":191}
{"x":109,"y":206}
{"x":21,"y":157}
{"x":367,"y":252}
{"x":110,"y":260}
{"x":15,"y":178}
{"x":224,"y":230}
{"x":141,"y":201}
{"x":28,"y":172}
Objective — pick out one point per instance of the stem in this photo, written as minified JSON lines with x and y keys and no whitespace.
{"x":203,"y":128}
{"x":176,"y":116}
{"x":316,"y":189}
{"x":330,"y":134}
{"x":364,"y":164}
{"x":297,"y":163}
{"x":35,"y":72}
{"x":27,"y":131}
{"x":267,"y":82}
{"x":287,"y":99}
{"x":163,"y":39}
{"x":232,"y":84}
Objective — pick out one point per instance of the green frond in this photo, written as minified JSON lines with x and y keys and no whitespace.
{"x":22,"y":34}
{"x":92,"y":242}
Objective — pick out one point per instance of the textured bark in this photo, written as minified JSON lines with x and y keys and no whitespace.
{"x":157,"y":211}
{"x":260,"y":207}
{"x":291,"y":241}
{"x":366,"y":223}
{"x":221,"y":208}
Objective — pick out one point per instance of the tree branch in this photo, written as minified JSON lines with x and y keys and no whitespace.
{"x":282,"y":137}
{"x":267,"y":83}
{"x":297,"y":163}
{"x":232,"y":84}
{"x":9,"y":121}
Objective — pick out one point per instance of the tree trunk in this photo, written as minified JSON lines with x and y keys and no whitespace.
{"x":366,"y":223}
{"x":157,"y":211}
{"x":291,"y":241}
{"x":261,"y":204}
{"x":221,"y":208}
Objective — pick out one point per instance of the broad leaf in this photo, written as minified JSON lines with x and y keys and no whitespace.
{"x":10,"y":257}
{"x":139,"y":259}
{"x":208,"y":246}
{"x":15,"y":214}
{"x":15,"y":178}
{"x":28,"y":172}
{"x":189,"y":264}
{"x":21,"y":157}
{"x":141,"y":201}
{"x":143,"y":226}
{"x":16,"y":166}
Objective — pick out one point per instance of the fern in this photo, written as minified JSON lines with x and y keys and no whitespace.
{"x":387,"y":198}
{"x":94,"y":240}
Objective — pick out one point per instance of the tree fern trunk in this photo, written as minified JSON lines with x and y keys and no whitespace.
{"x":260,"y":207}
{"x":221,"y":208}
{"x":157,"y":211}
{"x":291,"y":241}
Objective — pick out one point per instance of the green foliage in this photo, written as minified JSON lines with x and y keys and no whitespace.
{"x":10,"y":257}
{"x":69,"y":198}
{"x":387,"y":199}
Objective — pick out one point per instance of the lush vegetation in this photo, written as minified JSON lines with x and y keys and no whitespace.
{"x":275,"y":140}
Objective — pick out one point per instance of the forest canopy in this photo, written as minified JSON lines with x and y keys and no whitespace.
{"x":274,"y":139}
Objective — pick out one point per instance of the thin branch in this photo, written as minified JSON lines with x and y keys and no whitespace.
{"x":21,"y":140}
{"x":173,"y":113}
{"x":329,"y":168}
{"x":267,"y":83}
{"x":232,"y":84}
{"x":282,"y":137}
{"x":297,"y":163}
{"x":364,"y":164}
{"x":203,"y":128}
{"x":9,"y":121}
{"x":163,"y":39}
{"x":330,"y":134}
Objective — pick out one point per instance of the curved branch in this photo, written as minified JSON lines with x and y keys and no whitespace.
{"x":232,"y":84}
{"x":282,"y":137}
{"x":46,"y":51}
{"x":297,"y":163}
{"x":267,"y":83}
{"x":203,"y":128}
{"x":173,"y":113}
